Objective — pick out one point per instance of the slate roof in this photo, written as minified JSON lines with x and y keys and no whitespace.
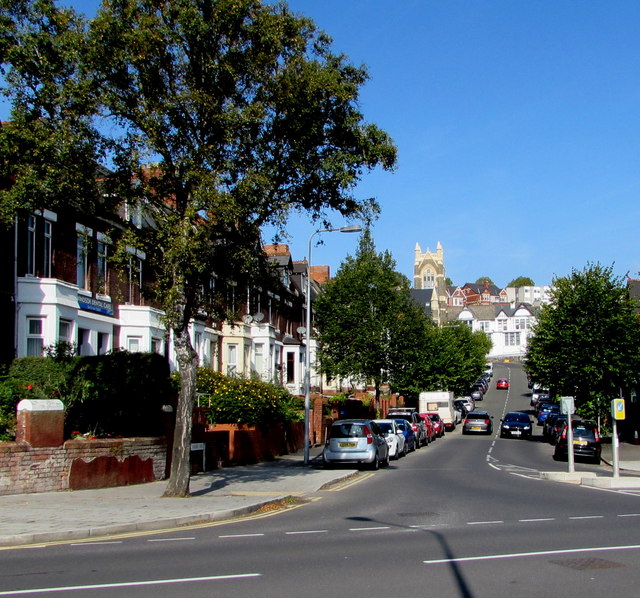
{"x":422,"y":297}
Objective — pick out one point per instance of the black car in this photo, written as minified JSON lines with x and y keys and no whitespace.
{"x":516,"y":424}
{"x":586,"y":441}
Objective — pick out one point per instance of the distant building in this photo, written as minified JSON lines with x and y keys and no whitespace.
{"x":429,"y":273}
{"x":534,"y":295}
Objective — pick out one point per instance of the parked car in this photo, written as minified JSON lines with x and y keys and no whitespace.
{"x":545,"y":410}
{"x":408,"y":432}
{"x":417,"y":423}
{"x":502,"y":384}
{"x":358,"y":441}
{"x":431,"y":432}
{"x":549,"y":424}
{"x":489,"y":369}
{"x":516,"y":424}
{"x":468,"y":403}
{"x":539,"y":393}
{"x":556,"y":429}
{"x":477,"y":394}
{"x":586,"y":441}
{"x":437,"y":422}
{"x":477,"y":422}
{"x":394,"y":437}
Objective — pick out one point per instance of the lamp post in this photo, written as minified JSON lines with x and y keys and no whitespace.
{"x":307,"y":357}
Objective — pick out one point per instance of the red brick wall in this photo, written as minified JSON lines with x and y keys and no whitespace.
{"x":95,"y":464}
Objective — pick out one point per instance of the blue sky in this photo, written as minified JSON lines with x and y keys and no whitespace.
{"x":517,"y":125}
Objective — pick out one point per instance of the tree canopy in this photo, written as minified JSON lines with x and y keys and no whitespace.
{"x":521,"y":281}
{"x":212,"y":119}
{"x":586,"y":343}
{"x":368,"y":326}
{"x":484,"y":279}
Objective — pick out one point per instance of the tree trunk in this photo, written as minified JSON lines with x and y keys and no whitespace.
{"x":178,"y":485}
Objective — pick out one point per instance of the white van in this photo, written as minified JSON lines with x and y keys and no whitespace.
{"x":440,"y":402}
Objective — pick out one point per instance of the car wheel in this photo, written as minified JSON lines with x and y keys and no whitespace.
{"x":385,"y":463}
{"x":375,"y":464}
{"x":597,"y":460}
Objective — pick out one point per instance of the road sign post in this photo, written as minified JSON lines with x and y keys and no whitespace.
{"x":567,"y":406}
{"x":617,"y":413}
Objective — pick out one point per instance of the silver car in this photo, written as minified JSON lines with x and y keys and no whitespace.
{"x":477,"y":422}
{"x":358,"y":441}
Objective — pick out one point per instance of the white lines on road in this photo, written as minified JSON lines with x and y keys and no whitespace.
{"x":514,"y":555}
{"x":95,"y":543}
{"x":539,"y":519}
{"x":241,"y":536}
{"x":369,"y":529}
{"x":171,"y":539}
{"x":589,"y":517}
{"x":131,"y":584}
{"x":309,"y":531}
{"x":630,"y":515}
{"x":483,"y":522}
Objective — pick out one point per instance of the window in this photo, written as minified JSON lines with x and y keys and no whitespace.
{"x":291,"y":367}
{"x":84,"y":347}
{"x":522,"y":323}
{"x":429,"y":279}
{"x":47,"y":249}
{"x":259,"y":358}
{"x":64,"y":330}
{"x":35,"y":337}
{"x":156,"y":345}
{"x":502,"y":325}
{"x":102,"y":270}
{"x":512,"y":339}
{"x":134,"y":344}
{"x":232,"y":360}
{"x":31,"y":246}
{"x":485,"y":325}
{"x":81,"y":261}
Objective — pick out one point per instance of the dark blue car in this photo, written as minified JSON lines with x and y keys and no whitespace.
{"x":545,"y":410}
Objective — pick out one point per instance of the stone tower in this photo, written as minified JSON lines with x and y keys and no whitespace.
{"x":429,"y":273}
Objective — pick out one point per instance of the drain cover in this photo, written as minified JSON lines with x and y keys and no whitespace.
{"x":584,"y":564}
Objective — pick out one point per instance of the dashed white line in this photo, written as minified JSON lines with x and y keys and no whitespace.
{"x":483,"y":522}
{"x":171,"y":539}
{"x":368,"y":529}
{"x":630,"y":515}
{"x":310,"y":531}
{"x":241,"y":536}
{"x":536,"y":520}
{"x":589,"y":517}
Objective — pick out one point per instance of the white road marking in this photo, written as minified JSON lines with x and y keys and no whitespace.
{"x":589,"y":517}
{"x":241,"y":536}
{"x":536,"y":520}
{"x":515,"y":555}
{"x":171,"y":539}
{"x":95,"y":543}
{"x":310,"y":531}
{"x":483,"y":522}
{"x":368,"y":529}
{"x":630,"y":515}
{"x":131,"y":584}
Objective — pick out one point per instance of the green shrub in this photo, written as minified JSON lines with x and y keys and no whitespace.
{"x":239,"y":401}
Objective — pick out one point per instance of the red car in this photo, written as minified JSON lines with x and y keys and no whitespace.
{"x":431,"y":430}
{"x":502,"y":383}
{"x":438,"y":424}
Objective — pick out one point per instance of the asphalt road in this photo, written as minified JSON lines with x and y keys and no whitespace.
{"x":466,"y":516}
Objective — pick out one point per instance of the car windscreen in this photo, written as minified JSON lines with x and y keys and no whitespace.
{"x":385,"y":427}
{"x":516,"y":417}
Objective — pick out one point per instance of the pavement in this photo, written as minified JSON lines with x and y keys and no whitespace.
{"x":222,"y":494}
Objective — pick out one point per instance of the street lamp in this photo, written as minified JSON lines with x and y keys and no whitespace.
{"x":307,"y":357}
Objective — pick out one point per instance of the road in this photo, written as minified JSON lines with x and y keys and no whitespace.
{"x":466,"y":516}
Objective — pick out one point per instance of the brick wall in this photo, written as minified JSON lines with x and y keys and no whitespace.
{"x":80,"y":464}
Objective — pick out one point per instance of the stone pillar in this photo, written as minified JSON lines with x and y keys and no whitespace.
{"x":40,"y":423}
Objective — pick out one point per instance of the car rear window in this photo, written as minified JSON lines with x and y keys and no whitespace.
{"x":480,"y":415}
{"x":347,"y":430}
{"x":385,"y":426}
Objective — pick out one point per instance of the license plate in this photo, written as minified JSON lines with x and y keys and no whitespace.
{"x":476,"y":427}
{"x":348,"y":444}
{"x":580,"y":442}
{"x":516,"y":432}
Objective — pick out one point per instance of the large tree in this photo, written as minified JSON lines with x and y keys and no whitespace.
{"x":368,"y":326}
{"x":216,"y":117}
{"x":586,"y":343}
{"x":521,"y":281}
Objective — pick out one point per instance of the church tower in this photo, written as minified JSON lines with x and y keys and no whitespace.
{"x":429,"y":273}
